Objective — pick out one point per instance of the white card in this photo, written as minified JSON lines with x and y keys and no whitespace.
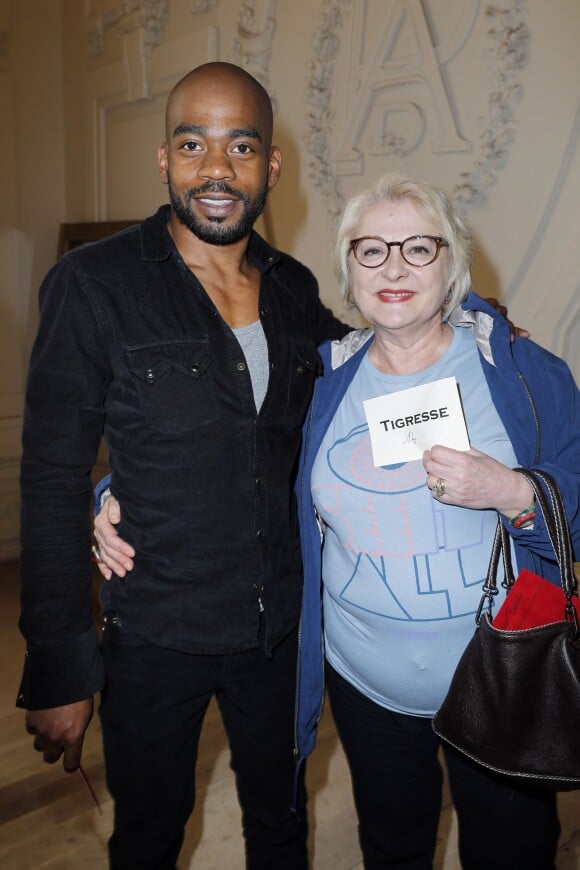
{"x":403,"y":425}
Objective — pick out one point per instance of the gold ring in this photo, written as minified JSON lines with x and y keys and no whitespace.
{"x":439,"y":488}
{"x":96,"y":554}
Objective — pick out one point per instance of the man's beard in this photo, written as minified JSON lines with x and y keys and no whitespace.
{"x":212,"y":230}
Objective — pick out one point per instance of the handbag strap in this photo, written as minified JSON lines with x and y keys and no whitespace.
{"x":554,"y":513}
{"x":557,"y":527}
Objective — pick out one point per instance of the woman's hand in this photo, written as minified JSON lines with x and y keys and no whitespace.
{"x":474,"y":480}
{"x":115,"y":554}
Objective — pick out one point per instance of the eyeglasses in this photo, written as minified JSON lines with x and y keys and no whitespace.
{"x":372,"y":251}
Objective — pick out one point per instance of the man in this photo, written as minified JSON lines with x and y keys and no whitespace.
{"x":191,"y":344}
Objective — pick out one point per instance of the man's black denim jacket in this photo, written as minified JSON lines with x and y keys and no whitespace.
{"x":130,"y":346}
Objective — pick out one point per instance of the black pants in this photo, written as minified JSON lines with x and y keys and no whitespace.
{"x":397,"y":782}
{"x":152,"y":712}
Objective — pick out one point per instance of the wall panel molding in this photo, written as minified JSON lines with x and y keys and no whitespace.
{"x":562,"y":178}
{"x":252,"y":45}
{"x":140,"y":25}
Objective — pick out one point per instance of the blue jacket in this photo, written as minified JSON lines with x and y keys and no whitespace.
{"x":536,"y":397}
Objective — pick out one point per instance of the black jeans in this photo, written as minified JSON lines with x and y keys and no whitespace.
{"x":152,"y":712}
{"x":397,"y":782}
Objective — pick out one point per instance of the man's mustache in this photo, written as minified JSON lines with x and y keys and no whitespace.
{"x":215,"y":187}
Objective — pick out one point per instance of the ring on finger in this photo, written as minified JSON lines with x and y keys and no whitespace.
{"x":96,"y":554}
{"x":439,"y":488}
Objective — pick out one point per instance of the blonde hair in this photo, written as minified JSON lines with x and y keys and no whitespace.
{"x":395,"y":186}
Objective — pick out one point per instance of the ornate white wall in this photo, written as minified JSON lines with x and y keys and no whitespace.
{"x":479,"y":97}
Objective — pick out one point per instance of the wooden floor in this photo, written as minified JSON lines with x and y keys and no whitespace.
{"x":48,"y":819}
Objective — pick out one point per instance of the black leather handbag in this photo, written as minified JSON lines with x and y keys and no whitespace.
{"x":513,"y":704}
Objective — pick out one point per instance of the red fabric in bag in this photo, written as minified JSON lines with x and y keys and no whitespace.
{"x":532,"y":601}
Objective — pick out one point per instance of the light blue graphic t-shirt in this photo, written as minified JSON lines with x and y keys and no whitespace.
{"x":402,"y":572}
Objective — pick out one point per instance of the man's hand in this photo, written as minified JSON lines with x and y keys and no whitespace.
{"x":501,"y":309}
{"x":116,"y":555}
{"x":61,"y":731}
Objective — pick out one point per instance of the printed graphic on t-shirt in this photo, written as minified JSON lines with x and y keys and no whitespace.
{"x":402,"y":554}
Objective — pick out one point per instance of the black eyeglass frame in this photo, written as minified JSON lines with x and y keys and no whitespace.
{"x":439,"y":241}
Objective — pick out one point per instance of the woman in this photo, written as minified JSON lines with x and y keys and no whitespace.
{"x":406,"y":545}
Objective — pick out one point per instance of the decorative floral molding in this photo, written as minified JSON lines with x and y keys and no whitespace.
{"x":319,"y":113}
{"x":200,"y":6}
{"x":508,"y":48}
{"x":252,"y":47}
{"x":146,"y":16}
{"x":508,"y":53}
{"x":149,"y":15}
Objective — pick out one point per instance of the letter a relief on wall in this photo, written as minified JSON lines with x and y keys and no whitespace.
{"x":377,"y":87}
{"x":394,"y":95}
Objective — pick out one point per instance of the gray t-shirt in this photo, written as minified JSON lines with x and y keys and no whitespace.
{"x":255,"y":349}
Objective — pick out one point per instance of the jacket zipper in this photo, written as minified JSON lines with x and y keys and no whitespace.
{"x":536,"y":418}
{"x":528,"y":393}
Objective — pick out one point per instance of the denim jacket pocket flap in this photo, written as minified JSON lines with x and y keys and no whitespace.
{"x":173,"y":381}
{"x":151,"y":363}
